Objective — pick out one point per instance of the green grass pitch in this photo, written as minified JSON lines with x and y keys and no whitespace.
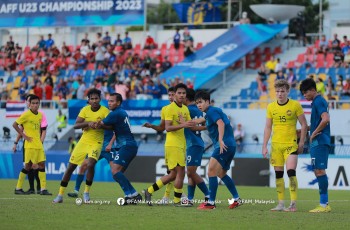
{"x":37,"y":212}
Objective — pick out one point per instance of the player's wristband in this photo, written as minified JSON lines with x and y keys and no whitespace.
{"x":15,"y":143}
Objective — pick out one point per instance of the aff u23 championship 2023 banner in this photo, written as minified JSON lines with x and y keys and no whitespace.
{"x":35,"y":13}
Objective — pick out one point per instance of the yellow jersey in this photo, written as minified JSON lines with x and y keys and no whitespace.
{"x":93,"y":136}
{"x":31,"y":124}
{"x":162,"y":112}
{"x":176,"y":138}
{"x":284,"y":120}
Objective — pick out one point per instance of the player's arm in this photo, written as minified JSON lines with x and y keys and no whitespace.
{"x":324,"y":121}
{"x":43,"y":134}
{"x":303,"y":130}
{"x":267,"y":135}
{"x":159,"y":128}
{"x":18,"y":137}
{"x":109,"y":146}
{"x":221,"y":130}
{"x":15,"y":125}
{"x":80,"y":123}
{"x":169,"y":127}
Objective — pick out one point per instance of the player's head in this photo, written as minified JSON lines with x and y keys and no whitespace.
{"x":202,"y":100}
{"x":94,"y":98}
{"x":180,"y":93}
{"x":34,"y":103}
{"x":27,"y":99}
{"x":308,"y":89}
{"x":190,"y":94}
{"x":282,"y":89}
{"x":114,"y":101}
{"x":171,"y":94}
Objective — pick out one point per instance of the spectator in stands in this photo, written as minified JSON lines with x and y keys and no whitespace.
{"x":62,"y":121}
{"x":346,"y":47}
{"x":150,"y":43}
{"x":346,"y":88}
{"x":22,"y":92}
{"x":40,"y":45}
{"x":187,"y":36}
{"x":280,"y":76}
{"x":127,"y":42}
{"x":347,"y":59}
{"x":292,"y":78}
{"x":122,"y":89}
{"x":10,"y":46}
{"x":345,"y":41}
{"x":138,"y":89}
{"x":340,"y":85}
{"x":49,"y":42}
{"x":166,"y":64}
{"x":244,"y":19}
{"x":63,"y":91}
{"x":177,"y":39}
{"x":53,"y":52}
{"x":189,"y":84}
{"x":323,"y":45}
{"x":330,"y":86}
{"x":11,"y":64}
{"x":271,"y":64}
{"x":189,"y":50}
{"x":85,"y":40}
{"x":279,"y":66}
{"x":20,"y":58}
{"x":25,"y":79}
{"x":3,"y":87}
{"x":38,"y":90}
{"x":48,"y":90}
{"x":100,"y":54}
{"x":106,"y":39}
{"x":98,"y":40}
{"x":49,"y":80}
{"x":336,"y":41}
{"x":118,"y":41}
{"x":338,"y":59}
{"x":81,"y":90}
{"x":84,"y":48}
{"x":320,"y":86}
{"x":262,"y":73}
{"x":239,"y":136}
{"x":65,"y":50}
{"x":153,"y":90}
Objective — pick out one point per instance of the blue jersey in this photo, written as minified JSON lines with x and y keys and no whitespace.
{"x":108,"y":134}
{"x":319,"y":106}
{"x":213,"y":114}
{"x":194,"y":137}
{"x":119,"y":119}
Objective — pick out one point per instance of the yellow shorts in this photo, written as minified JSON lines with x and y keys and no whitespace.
{"x":175,"y":156}
{"x":82,"y":149}
{"x":280,"y":153}
{"x":34,"y":155}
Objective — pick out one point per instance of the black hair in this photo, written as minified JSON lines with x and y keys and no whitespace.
{"x":307,"y":84}
{"x":29,"y":95}
{"x":202,"y":95}
{"x":33,"y":97}
{"x":190,"y":94}
{"x":94,"y":91}
{"x":171,"y":89}
{"x":180,"y":86}
{"x":118,"y":97}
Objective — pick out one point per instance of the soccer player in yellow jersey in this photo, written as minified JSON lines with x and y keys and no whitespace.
{"x":281,"y":119}
{"x":175,"y":146}
{"x":34,"y":149}
{"x":160,"y":128}
{"x":90,"y":143}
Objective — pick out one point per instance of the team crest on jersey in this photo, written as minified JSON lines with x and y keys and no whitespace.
{"x":289,"y":112}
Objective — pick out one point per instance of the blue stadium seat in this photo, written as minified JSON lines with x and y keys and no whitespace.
{"x":301,"y":71}
{"x":243,"y":105}
{"x":243,"y":94}
{"x":312,"y":70}
{"x":341,"y":71}
{"x":2,"y":72}
{"x":302,"y":76}
{"x":321,"y":70}
{"x":331,"y":72}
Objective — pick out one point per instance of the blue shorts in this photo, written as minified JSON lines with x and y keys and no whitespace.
{"x":226,"y":157}
{"x":125,"y":155}
{"x":194,"y":155}
{"x":107,"y":155}
{"x":319,"y":156}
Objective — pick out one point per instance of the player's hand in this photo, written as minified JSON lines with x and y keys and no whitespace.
{"x":25,"y":137}
{"x":147,"y":125}
{"x":14,"y":148}
{"x":190,"y":123}
{"x":265,"y":151}
{"x":108,"y":148}
{"x":181,"y":119}
{"x":300,"y":148}
{"x":313,"y":135}
{"x":223,"y":147}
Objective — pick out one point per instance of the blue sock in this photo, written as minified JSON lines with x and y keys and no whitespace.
{"x":78,"y":182}
{"x":323,"y":189}
{"x":202,"y":186}
{"x":123,"y":182}
{"x":213,"y":187}
{"x":190,"y":191}
{"x":230,"y":186}
{"x":130,"y":187}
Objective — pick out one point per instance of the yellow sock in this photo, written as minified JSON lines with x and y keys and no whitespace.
{"x":21,"y":178}
{"x":280,"y":189}
{"x":177,"y":194}
{"x":61,"y":191}
{"x":156,"y":186}
{"x":42,"y":177}
{"x":169,"y":187}
{"x":293,"y":187}
{"x":87,"y":188}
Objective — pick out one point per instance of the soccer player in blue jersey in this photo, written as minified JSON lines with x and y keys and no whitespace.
{"x":320,"y":140}
{"x":108,"y":149}
{"x":221,"y":133}
{"x":194,"y":150}
{"x":118,"y":119}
